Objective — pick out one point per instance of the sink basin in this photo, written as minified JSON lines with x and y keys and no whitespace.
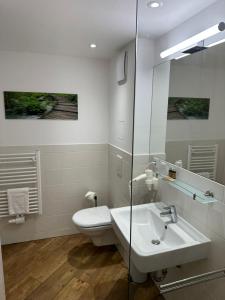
{"x":154,"y":247}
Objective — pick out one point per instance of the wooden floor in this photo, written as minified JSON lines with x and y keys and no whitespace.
{"x":69,"y":268}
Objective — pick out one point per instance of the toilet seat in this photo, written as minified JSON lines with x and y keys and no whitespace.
{"x":96,"y":223}
{"x":93,"y":217}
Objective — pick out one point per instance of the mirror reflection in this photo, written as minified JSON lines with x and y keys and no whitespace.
{"x":195,"y":106}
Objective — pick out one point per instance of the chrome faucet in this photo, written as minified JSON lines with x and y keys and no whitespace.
{"x":170,"y":211}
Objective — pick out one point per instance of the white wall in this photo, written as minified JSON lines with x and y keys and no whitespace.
{"x":119,"y":181}
{"x":48,"y":73}
{"x":121,"y":130}
{"x":200,"y":82}
{"x":143,"y":95}
{"x":77,"y":160}
{"x":121,"y":120}
{"x":159,"y":108}
{"x":122,"y":99}
{"x":121,"y":103}
{"x":68,"y":172}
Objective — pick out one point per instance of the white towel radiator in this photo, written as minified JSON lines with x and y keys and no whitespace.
{"x":21,"y":170}
{"x":203,"y":160}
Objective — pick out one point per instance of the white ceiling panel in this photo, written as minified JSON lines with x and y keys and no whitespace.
{"x":68,"y":26}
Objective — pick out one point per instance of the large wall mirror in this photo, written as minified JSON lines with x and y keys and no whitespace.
{"x":188,"y":113}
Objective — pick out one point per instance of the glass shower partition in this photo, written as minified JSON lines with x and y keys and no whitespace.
{"x":178,"y":108}
{"x":144,"y":183}
{"x":141,"y":186}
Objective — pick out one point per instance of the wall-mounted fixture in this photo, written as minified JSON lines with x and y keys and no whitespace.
{"x":20,"y":170}
{"x":154,"y":4}
{"x":182,"y":56}
{"x":93,"y":46}
{"x":121,"y":68}
{"x":194,"y":40}
{"x":216,"y":43}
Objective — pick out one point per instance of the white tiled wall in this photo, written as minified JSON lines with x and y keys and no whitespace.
{"x":140,"y":192}
{"x":210,"y":220}
{"x":118,"y":186}
{"x":68,"y":172}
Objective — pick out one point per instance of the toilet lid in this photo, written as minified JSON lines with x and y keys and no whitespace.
{"x":93,"y":217}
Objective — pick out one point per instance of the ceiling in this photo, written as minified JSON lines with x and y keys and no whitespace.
{"x":157,"y":22}
{"x":67,"y":27}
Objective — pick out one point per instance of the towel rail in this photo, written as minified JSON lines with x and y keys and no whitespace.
{"x":203,"y":159}
{"x":20,"y":170}
{"x":17,"y":180}
{"x":180,"y":284}
{"x":5,"y":202}
{"x":16,"y":162}
{"x":17,"y":169}
{"x":30,"y":191}
{"x":17,"y":157}
{"x":17,"y":173}
{"x":19,"y":183}
{"x":18,"y":176}
{"x":17,"y":154}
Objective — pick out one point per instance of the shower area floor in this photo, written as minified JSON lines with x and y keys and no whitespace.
{"x":70,"y":268}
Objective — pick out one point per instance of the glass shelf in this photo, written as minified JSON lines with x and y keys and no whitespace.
{"x":194,"y":193}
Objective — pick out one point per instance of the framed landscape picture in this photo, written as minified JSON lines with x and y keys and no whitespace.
{"x":181,"y":108}
{"x":48,"y":106}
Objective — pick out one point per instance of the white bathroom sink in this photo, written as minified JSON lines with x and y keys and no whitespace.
{"x":180,"y":243}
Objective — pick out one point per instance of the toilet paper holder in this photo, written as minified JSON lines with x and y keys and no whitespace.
{"x":92,"y":198}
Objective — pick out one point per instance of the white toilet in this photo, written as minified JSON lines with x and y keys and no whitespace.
{"x":96,"y":222}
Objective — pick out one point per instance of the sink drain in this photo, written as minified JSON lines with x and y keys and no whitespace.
{"x":155,"y":242}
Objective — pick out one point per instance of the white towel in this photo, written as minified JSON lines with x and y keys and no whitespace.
{"x":18,"y":201}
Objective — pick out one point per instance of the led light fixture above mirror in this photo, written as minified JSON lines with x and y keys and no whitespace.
{"x":216,"y":43}
{"x":195,"y":39}
{"x":182,"y":56}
